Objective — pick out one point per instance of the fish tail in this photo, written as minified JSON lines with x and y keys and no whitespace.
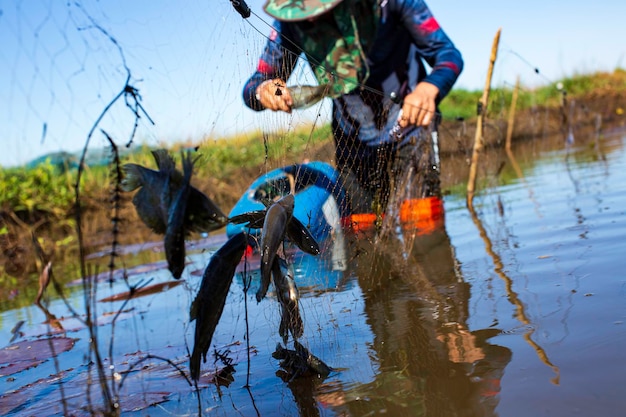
{"x":133,"y":177}
{"x":298,"y":326}
{"x":194,"y":363}
{"x":193,"y":311}
{"x":164,"y":160}
{"x":260,"y":294}
{"x":283,"y":328}
{"x":265,"y":282}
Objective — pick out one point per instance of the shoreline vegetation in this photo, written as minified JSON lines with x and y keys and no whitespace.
{"x":37,"y":205}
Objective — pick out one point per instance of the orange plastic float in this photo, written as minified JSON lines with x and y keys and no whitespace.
{"x":424,"y":215}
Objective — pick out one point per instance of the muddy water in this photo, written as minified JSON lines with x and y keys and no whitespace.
{"x":516,"y":309}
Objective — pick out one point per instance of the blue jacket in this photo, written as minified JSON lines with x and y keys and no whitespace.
{"x":408,"y":35}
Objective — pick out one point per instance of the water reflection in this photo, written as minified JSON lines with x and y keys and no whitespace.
{"x":520,"y":310}
{"x":428,"y":361}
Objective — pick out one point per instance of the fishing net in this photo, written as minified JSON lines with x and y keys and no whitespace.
{"x":88,"y":77}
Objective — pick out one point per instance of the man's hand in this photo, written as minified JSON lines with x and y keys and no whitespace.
{"x":419,"y":106}
{"x":274,"y":95}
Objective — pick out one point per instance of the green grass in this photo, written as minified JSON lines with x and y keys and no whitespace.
{"x":463,"y":103}
{"x":50,"y":190}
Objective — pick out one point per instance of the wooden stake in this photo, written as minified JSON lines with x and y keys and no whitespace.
{"x":482,"y":110}
{"x":509,"y":129}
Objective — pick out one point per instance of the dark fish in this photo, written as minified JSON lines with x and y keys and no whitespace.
{"x":202,"y":215}
{"x":287,"y":295}
{"x":272,"y":236}
{"x":296,"y":232}
{"x":209,"y":303}
{"x":301,"y":362}
{"x":175,"y":233}
{"x":300,"y":235}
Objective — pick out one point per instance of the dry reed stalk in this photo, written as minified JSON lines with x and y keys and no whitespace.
{"x":482,"y":110}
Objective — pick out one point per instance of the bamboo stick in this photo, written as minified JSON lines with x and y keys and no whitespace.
{"x":482,"y":110}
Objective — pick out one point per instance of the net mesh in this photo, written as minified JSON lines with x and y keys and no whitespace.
{"x":81,"y":73}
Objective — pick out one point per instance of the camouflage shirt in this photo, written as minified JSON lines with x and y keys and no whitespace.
{"x":406,"y":37}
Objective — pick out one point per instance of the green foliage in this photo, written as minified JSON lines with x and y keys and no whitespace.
{"x":225,"y":157}
{"x":40,"y":189}
{"x":460,"y":104}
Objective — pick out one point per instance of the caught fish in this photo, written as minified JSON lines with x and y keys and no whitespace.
{"x":254,"y":219}
{"x":273,"y":234}
{"x":287,"y":295}
{"x":301,"y":362}
{"x":209,"y":303}
{"x":304,"y":96}
{"x":157,"y":188}
{"x":175,"y":233}
{"x":299,"y":234}
{"x":296,"y":232}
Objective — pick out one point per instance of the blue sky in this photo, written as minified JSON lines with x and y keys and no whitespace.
{"x":189,"y":60}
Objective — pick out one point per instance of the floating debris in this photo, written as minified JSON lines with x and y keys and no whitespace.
{"x":300,"y":362}
{"x":143,"y":291}
{"x":30,"y":353}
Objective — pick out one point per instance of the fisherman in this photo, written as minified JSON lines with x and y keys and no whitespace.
{"x":370,"y":56}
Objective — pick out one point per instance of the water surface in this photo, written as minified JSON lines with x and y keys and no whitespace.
{"x":516,"y":309}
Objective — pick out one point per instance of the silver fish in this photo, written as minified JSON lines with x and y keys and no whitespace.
{"x":304,"y":96}
{"x":273,"y":233}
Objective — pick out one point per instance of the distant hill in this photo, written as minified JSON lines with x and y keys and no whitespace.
{"x":66,"y":160}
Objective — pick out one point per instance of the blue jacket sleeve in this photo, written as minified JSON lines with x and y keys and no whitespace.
{"x":277,"y":61}
{"x":432,"y":43}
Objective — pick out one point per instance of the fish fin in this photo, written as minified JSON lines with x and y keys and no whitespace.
{"x":133,"y":177}
{"x":166,"y":196}
{"x":188,"y":163}
{"x":254,"y":217}
{"x":300,"y":235}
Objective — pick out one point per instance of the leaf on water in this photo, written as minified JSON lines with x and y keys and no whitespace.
{"x":30,"y":353}
{"x":141,"y":400}
{"x":197,"y":272}
{"x":143,"y":291}
{"x":119,"y":273}
{"x":24,"y":399}
{"x":14,"y":398}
